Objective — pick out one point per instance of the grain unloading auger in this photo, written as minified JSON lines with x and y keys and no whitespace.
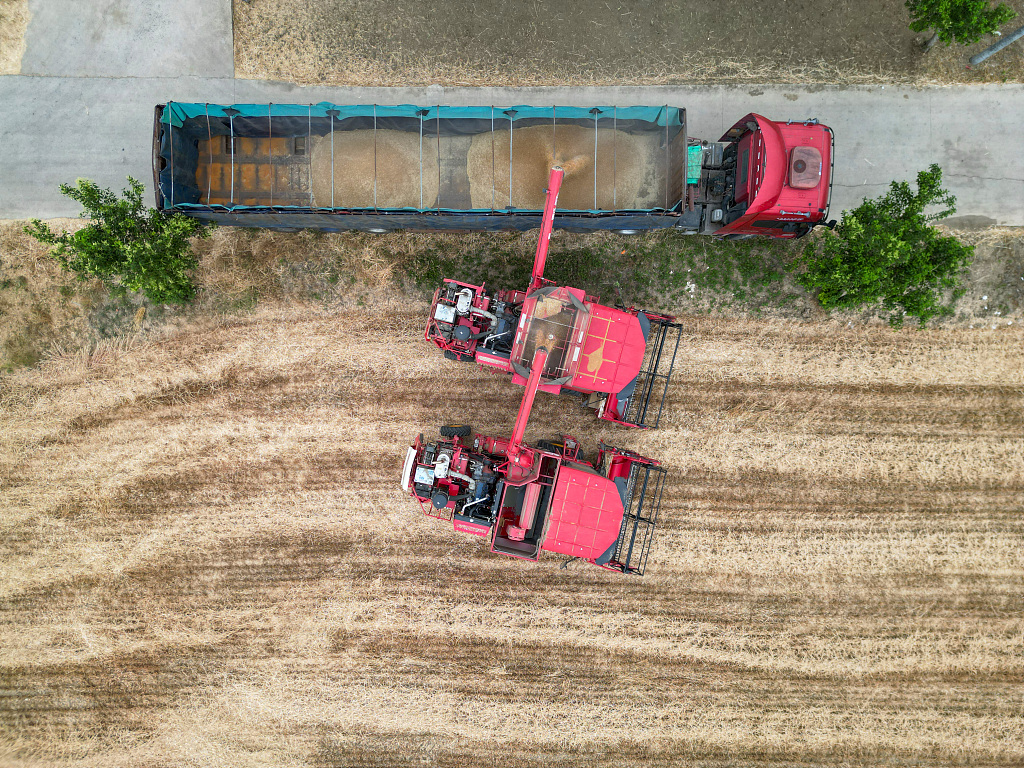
{"x":618,"y":359}
{"x":527,"y":498}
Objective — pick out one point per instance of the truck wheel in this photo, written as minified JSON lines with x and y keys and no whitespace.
{"x":548,"y":445}
{"x":456,"y":430}
{"x":449,"y":355}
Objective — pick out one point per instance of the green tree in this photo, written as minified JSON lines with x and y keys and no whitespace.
{"x":964,"y":21}
{"x":887,"y":251}
{"x":128,"y":246}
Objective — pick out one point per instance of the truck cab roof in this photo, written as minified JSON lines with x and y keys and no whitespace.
{"x":783,"y":175}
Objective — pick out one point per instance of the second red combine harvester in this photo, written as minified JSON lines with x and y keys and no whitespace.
{"x":542,"y":497}
{"x":619,"y":360}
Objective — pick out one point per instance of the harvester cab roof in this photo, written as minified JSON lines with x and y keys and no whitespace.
{"x":620,"y":359}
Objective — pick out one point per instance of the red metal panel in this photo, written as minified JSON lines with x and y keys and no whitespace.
{"x":476,"y":529}
{"x":529,"y":510}
{"x":493,"y":361}
{"x":586,"y":514}
{"x":612,"y":353}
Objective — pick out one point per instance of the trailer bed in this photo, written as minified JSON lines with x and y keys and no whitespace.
{"x":402,"y":159}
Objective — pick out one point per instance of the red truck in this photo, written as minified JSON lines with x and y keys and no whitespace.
{"x":777,"y":178}
{"x":379,"y":168}
{"x":618,"y":359}
{"x":527,"y":498}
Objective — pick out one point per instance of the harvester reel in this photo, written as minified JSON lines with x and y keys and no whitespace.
{"x":456,"y":430}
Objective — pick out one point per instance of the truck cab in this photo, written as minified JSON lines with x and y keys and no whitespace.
{"x":775,"y":178}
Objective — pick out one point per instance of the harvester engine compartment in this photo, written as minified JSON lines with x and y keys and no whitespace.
{"x":464,"y":318}
{"x":455,"y":481}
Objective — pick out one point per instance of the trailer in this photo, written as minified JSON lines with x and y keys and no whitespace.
{"x":378,"y":168}
{"x":525,"y":499}
{"x":619,"y":360}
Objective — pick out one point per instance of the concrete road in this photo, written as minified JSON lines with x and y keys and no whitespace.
{"x":86,"y":110}
{"x":129,"y":38}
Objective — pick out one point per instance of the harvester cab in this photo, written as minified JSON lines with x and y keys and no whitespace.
{"x":618,"y":359}
{"x":527,"y":498}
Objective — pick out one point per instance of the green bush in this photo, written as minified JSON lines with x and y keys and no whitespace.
{"x":886,"y":250}
{"x":129,"y":247}
{"x":964,"y":21}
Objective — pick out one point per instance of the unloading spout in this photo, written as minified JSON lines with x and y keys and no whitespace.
{"x":546,"y":225}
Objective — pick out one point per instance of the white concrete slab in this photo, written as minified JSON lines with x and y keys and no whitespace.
{"x":127,"y":38}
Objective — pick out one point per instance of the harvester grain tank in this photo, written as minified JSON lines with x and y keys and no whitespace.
{"x":387,"y":167}
{"x":528,"y":498}
{"x":618,"y":359}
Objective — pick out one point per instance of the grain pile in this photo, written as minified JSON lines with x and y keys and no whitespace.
{"x":622,"y":165}
{"x":393,"y":157}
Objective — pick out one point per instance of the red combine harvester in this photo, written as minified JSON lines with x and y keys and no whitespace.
{"x":618,"y":359}
{"x":528,"y":498}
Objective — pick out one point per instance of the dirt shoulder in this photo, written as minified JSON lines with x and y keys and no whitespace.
{"x":14,"y":17}
{"x":43,"y":309}
{"x":560,"y":42}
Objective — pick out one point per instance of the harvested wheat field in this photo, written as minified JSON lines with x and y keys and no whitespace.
{"x":567,"y":42}
{"x":208,"y":561}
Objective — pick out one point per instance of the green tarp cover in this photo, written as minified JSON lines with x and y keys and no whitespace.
{"x":694,"y":156}
{"x":177,"y":112}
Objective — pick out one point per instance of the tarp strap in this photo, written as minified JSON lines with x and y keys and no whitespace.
{"x":170,"y":131}
{"x":309,"y":148}
{"x":437,"y":125}
{"x":231,"y":139}
{"x":492,"y":157}
{"x":667,"y":172}
{"x":511,"y":112}
{"x":596,"y":112}
{"x":421,"y":159}
{"x":615,"y":133}
{"x":332,"y":158}
{"x":270,"y":151}
{"x":374,"y":158}
{"x":209,"y":145}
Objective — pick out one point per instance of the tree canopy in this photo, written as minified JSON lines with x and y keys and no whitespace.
{"x":887,"y":251}
{"x":129,"y":247}
{"x":963,"y":21}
